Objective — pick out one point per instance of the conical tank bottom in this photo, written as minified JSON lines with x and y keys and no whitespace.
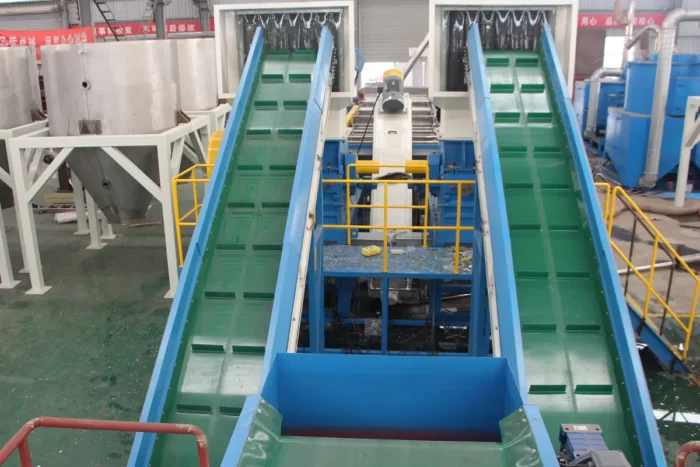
{"x":120,"y":197}
{"x":6,"y":198}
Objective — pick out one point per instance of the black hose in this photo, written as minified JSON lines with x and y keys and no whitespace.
{"x":369,"y":120}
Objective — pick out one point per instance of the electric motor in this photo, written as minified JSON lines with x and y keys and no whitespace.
{"x":392,"y":97}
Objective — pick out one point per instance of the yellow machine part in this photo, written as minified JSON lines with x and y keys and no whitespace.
{"x":393,"y":72}
{"x":213,"y":150}
{"x":367,"y":167}
{"x":351,"y":115}
{"x":417,"y":167}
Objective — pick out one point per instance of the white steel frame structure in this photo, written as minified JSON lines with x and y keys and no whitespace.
{"x":171,"y":148}
{"x":217,"y":118}
{"x":563,"y":31}
{"x":7,"y":280}
{"x":691,"y":137}
{"x":456,"y":122}
{"x":228,"y":46}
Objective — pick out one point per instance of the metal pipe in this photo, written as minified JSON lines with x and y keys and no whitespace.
{"x":65,"y":19}
{"x":594,"y":97}
{"x":649,"y":27}
{"x":667,"y":43}
{"x":687,"y":144}
{"x":85,"y":12}
{"x":665,"y":264}
{"x":19,"y":440}
{"x":29,"y":10}
{"x":684,"y":452}
{"x":205,"y":17}
{"x":421,"y":48}
{"x":159,"y":17}
{"x":629,"y":29}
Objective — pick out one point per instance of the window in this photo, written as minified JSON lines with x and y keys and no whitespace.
{"x":613,"y":51}
{"x":373,"y":73}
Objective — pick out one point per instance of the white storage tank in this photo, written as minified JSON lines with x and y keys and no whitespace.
{"x":197,"y":73}
{"x":20,"y":99}
{"x":118,"y":88}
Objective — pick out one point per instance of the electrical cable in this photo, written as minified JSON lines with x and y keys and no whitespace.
{"x":380,"y":89}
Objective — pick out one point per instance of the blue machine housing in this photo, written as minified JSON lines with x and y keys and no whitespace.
{"x":455,"y":162}
{"x":335,"y":160}
{"x":612,"y":94}
{"x":628,"y":127}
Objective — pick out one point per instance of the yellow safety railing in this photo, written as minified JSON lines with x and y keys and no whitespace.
{"x":190,"y":218}
{"x":415,"y":167}
{"x":659,"y":243}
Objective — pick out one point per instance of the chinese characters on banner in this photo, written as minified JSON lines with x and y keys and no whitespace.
{"x":181,"y":26}
{"x":38,"y":38}
{"x":607,"y":20}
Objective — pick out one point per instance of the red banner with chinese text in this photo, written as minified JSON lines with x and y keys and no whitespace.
{"x":177,"y":26}
{"x":37,"y":39}
{"x":607,"y":20}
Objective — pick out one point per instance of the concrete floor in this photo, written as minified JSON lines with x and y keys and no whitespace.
{"x":87,"y":348}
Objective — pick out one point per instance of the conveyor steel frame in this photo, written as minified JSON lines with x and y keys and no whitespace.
{"x":167,"y":355}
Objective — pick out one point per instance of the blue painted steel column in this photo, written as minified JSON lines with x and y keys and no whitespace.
{"x":385,"y":315}
{"x":172,"y":337}
{"x":315,"y":281}
{"x":285,"y":290}
{"x":479,"y":329}
{"x":345,"y":289}
{"x":435,"y":298}
{"x":502,"y":252}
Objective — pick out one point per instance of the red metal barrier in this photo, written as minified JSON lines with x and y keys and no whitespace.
{"x":684,"y":451}
{"x":20,"y":443}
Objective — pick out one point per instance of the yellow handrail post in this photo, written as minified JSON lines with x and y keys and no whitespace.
{"x":691,"y":321}
{"x":386,"y":225}
{"x":178,"y":221}
{"x":650,"y":286}
{"x":194,"y":194}
{"x":427,"y":210}
{"x":458,"y":231}
{"x":611,"y":210}
{"x":347,"y":202}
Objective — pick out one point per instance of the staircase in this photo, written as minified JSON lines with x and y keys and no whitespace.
{"x":109,"y":18}
{"x":662,"y":320}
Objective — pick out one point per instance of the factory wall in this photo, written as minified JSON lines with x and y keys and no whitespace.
{"x":386,"y":28}
{"x":44,"y":15}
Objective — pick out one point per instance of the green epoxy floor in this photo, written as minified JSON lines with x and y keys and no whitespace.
{"x":101,"y":329}
{"x":85,"y":349}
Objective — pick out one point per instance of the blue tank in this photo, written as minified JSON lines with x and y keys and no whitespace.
{"x":641,"y":78}
{"x":628,"y":128}
{"x":611,"y":95}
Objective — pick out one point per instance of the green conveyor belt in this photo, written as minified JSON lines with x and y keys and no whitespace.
{"x":220,"y":358}
{"x":571,"y":362}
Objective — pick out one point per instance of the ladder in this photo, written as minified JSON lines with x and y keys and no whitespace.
{"x":108,"y":16}
{"x":147,"y":17}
